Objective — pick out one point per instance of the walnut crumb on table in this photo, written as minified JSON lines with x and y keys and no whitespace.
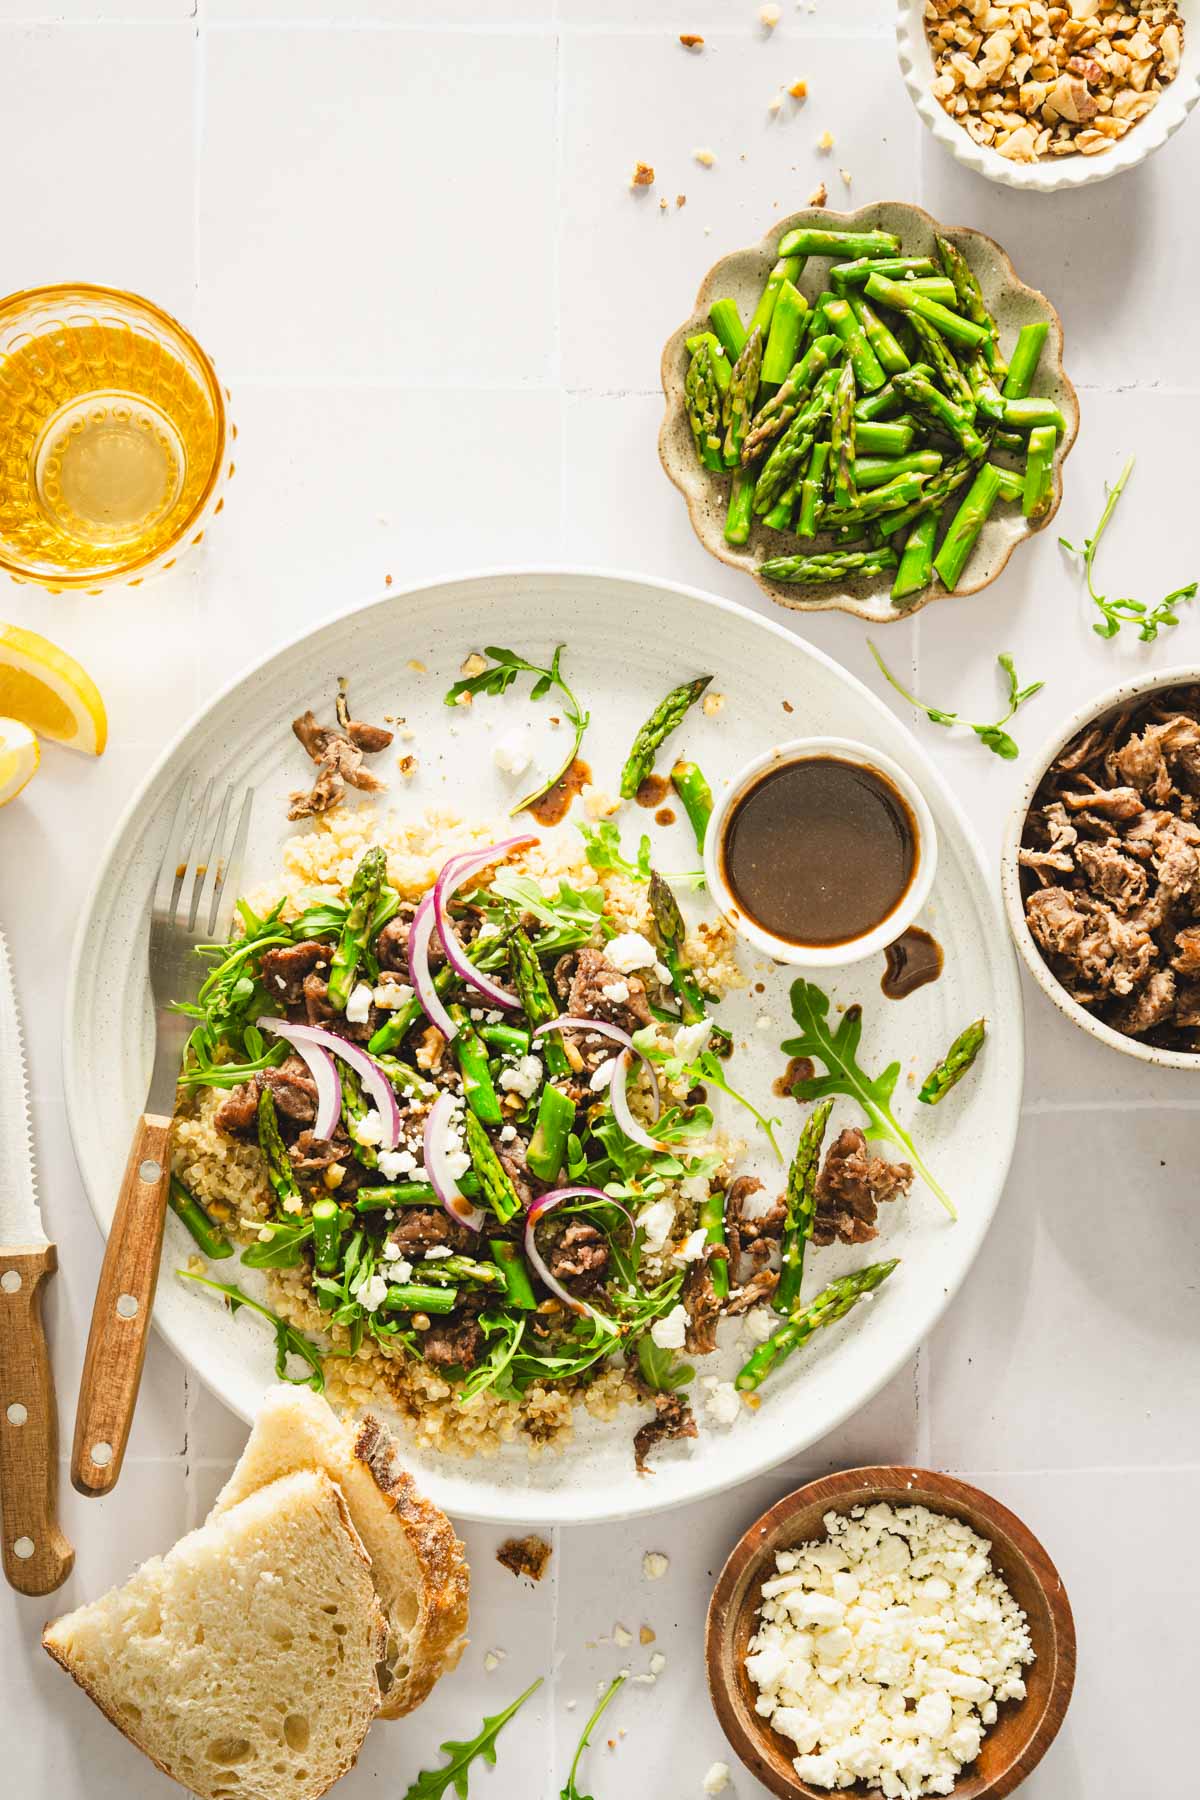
{"x":643,"y":175}
{"x":691,"y":40}
{"x":819,"y":196}
{"x":705,"y":158}
{"x":525,"y":1556}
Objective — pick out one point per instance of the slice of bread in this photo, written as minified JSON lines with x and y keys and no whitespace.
{"x":419,"y":1565}
{"x":243,"y":1662}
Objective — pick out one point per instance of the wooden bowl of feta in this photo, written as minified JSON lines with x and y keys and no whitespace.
{"x":890,"y":1629}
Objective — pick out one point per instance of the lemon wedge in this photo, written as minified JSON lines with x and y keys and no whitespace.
{"x":19,"y":758}
{"x":48,"y":691}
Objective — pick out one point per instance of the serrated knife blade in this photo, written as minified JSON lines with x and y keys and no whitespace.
{"x":20,"y":1216}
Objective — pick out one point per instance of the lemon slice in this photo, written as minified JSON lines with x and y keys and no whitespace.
{"x":19,"y":758}
{"x":47,"y":690}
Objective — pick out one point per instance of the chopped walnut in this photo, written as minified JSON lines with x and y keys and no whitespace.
{"x":691,"y":40}
{"x":825,"y":141}
{"x":819,"y":196}
{"x":799,"y":90}
{"x":705,"y":158}
{"x":1036,"y":78}
{"x":643,"y":175}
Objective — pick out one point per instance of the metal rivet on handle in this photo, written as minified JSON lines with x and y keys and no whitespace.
{"x":102,"y":1455}
{"x":10,"y":1281}
{"x":24,"y":1548}
{"x":127,"y":1306}
{"x":149,"y":1170}
{"x":17,"y":1414}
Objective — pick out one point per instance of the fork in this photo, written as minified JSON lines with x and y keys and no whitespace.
{"x":192,"y":904}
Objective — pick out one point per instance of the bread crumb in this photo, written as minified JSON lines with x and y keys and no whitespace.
{"x":825,"y":141}
{"x":525,"y":1556}
{"x":819,"y":196}
{"x":407,"y":766}
{"x":643,"y":175}
{"x":621,"y":1637}
{"x":387,"y":581}
{"x":646,"y":1636}
{"x":663,"y":204}
{"x":691,"y":40}
{"x":769,"y":16}
{"x":775,"y":105}
{"x":846,"y":176}
{"x":655,"y":1565}
{"x":418,"y":668}
{"x":799,"y":90}
{"x":712,"y":704}
{"x":681,"y":199}
{"x":705,"y":158}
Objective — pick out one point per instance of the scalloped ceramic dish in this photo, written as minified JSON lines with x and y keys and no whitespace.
{"x":1148,"y":135}
{"x":741,"y":275}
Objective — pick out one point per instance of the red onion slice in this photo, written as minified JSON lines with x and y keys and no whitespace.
{"x":541,"y":1206}
{"x":375,"y":1083}
{"x":617,"y":1036}
{"x":419,"y":973}
{"x":323,"y":1070}
{"x":622,"y":1113}
{"x":455,"y":874}
{"x":437,"y":1150}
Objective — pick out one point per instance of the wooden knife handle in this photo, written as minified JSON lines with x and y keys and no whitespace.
{"x":116,"y":1347}
{"x":37,"y":1557}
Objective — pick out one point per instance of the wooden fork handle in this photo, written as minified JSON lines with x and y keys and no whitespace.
{"x":37,"y":1557}
{"x":116,"y":1348}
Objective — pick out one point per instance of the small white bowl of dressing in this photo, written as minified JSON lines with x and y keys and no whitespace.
{"x":821,"y":852}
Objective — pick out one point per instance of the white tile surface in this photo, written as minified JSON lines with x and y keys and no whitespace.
{"x":410,"y":242}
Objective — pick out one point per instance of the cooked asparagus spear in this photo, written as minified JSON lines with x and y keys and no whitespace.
{"x":726,"y":322}
{"x":801,"y":1208}
{"x":888,"y":351}
{"x":494,"y":1179}
{"x":668,"y":714}
{"x":971,"y":300}
{"x":779,"y":411}
{"x":1025,"y":415}
{"x":916,"y":565}
{"x":740,"y":514}
{"x":695,"y":796}
{"x":874,"y":471}
{"x":789,"y":451}
{"x":889,"y":438}
{"x":548,"y":1145}
{"x":832,"y":1303}
{"x":876,"y":503}
{"x":1023,"y":363}
{"x":941,"y":412}
{"x":518,"y":1287}
{"x":806,"y":242}
{"x":1039,"y":472}
{"x":787,"y":269}
{"x":703,"y":398}
{"x":848,"y":275}
{"x":210,"y":1239}
{"x":280,"y":1173}
{"x":534,"y":994}
{"x":967,"y":524}
{"x":933,"y":495}
{"x":812,"y":489}
{"x":836,"y":565}
{"x":901,"y":298}
{"x":479,"y":1090}
{"x":842,"y":437}
{"x":363,"y":897}
{"x":783,"y":340}
{"x":954,"y":1065}
{"x":936,"y":352}
{"x":668,"y":921}
{"x":738,"y":401}
{"x":867,"y":370}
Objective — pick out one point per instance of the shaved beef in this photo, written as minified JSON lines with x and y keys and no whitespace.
{"x":282,"y":971}
{"x":746,"y":1233}
{"x":1150,"y":1006}
{"x":1186,"y":960}
{"x":701,"y":1304}
{"x":1113,"y":875}
{"x":313,"y":1155}
{"x":293,"y":1090}
{"x":850,"y":1188}
{"x":760,"y":1287}
{"x":1055,"y":855}
{"x":512,"y":1161}
{"x":1111,"y":803}
{"x":672,"y":1419}
{"x":339,"y":759}
{"x":427,"y":1227}
{"x":581,"y":978}
{"x":452,"y":1343}
{"x":580,"y":1254}
{"x":237,"y":1115}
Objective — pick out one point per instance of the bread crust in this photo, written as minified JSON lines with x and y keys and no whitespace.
{"x":439,"y":1636}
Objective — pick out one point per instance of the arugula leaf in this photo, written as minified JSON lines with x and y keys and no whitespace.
{"x":571,"y":916}
{"x":994,"y":736}
{"x":839,"y":1052}
{"x":1115,"y":613}
{"x":282,"y":1249}
{"x":496,"y":680}
{"x":288,"y":1341}
{"x":432,"y":1784}
{"x":571,"y":1792}
{"x":658,"y":1367}
{"x":603,"y":850}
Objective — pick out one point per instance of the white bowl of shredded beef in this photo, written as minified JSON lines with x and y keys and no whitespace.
{"x":1101,"y":869}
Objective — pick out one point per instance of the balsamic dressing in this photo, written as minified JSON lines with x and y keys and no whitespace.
{"x":555,"y":803}
{"x":653,"y":791}
{"x":820,"y":851}
{"x":915,"y":958}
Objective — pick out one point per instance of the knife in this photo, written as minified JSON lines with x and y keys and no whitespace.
{"x":37,"y":1557}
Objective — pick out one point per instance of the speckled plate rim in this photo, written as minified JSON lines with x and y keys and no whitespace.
{"x":1056,"y":173}
{"x":1010,"y":869}
{"x":693,"y":483}
{"x":551,"y":1508}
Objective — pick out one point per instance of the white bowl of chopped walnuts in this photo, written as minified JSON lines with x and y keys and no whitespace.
{"x":1049,"y":94}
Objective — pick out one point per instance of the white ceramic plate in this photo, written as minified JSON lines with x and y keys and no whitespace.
{"x":627,"y":641}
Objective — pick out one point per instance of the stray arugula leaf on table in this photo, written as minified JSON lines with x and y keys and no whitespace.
{"x":433,"y":1784}
{"x":288,"y":1341}
{"x":994,"y":736}
{"x":1115,"y":613}
{"x":571,"y":1792}
{"x":506,"y":665}
{"x":838,"y":1050}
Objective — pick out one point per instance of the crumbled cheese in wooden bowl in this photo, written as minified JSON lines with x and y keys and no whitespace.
{"x":884,"y":1650}
{"x":1032,"y":78}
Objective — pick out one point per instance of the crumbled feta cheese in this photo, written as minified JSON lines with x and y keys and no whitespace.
{"x":658,"y":1663}
{"x":655,"y":1565}
{"x":691,"y":1039}
{"x":669,"y":1333}
{"x":507,"y":1133}
{"x":629,"y":951}
{"x":436,"y":1251}
{"x":524,"y":1079}
{"x":759,"y":1324}
{"x":358,"y":1006}
{"x":692,"y":1246}
{"x":881,"y":1651}
{"x":602,"y":1075}
{"x":372,"y":1293}
{"x":621,"y":1637}
{"x":656,"y":1221}
{"x":662,"y":973}
{"x":717,"y":1779}
{"x":401,"y":1271}
{"x":368,"y":1129}
{"x":457,"y":1164}
{"x":394,"y":1163}
{"x":722,"y":1403}
{"x":491,"y":1661}
{"x":617,"y":992}
{"x":391,"y":995}
{"x":511,"y":753}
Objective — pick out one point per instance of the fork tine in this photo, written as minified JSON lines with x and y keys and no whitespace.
{"x":174,"y":859}
{"x":206,"y":871}
{"x":229,"y":875}
{"x":191,"y":861}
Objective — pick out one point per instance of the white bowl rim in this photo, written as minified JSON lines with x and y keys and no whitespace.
{"x":1010,"y":870}
{"x":1055,"y":173}
{"x":824,"y":956}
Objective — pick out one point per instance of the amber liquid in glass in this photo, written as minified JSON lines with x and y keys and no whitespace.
{"x":106,"y":440}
